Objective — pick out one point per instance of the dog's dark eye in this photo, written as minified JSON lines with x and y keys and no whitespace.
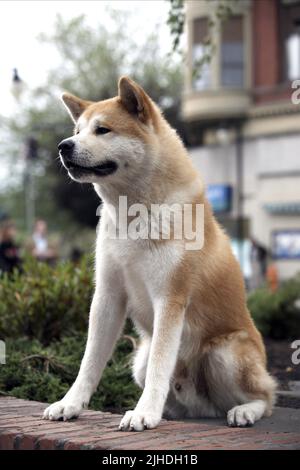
{"x":101,"y":130}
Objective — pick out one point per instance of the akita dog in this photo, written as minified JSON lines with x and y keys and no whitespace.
{"x":200,"y":354}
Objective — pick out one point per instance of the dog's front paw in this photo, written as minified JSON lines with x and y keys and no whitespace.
{"x":138,"y":420}
{"x":63,"y":410}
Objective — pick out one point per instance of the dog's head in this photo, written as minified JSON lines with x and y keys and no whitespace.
{"x":114,"y":138}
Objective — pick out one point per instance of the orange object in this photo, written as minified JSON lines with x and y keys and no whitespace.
{"x":272,"y":277}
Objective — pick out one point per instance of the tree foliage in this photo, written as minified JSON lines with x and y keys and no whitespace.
{"x":89,"y":64}
{"x":221,"y":11}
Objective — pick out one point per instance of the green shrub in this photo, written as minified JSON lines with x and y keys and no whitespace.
{"x":45,"y":302}
{"x":43,"y":319}
{"x":35,"y":372}
{"x":277,"y":314}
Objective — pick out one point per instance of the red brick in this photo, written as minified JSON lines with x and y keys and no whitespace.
{"x":21,"y":427}
{"x":7,"y":440}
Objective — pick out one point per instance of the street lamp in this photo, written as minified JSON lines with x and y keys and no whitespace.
{"x":30,"y":155}
{"x":223,"y":138}
{"x":17,"y":85}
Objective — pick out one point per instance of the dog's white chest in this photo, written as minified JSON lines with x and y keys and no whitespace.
{"x":146,"y":269}
{"x":147,"y":275}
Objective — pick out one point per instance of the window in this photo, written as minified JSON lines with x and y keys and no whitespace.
{"x":201,"y":73}
{"x":232,"y":53}
{"x":290,"y":39}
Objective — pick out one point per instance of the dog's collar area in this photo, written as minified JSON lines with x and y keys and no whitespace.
{"x":106,"y":168}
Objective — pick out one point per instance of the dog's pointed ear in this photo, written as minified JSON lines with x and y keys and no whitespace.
{"x":74,"y":105}
{"x":135,"y":99}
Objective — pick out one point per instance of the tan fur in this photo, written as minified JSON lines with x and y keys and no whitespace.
{"x":219,"y":361}
{"x":210,"y":277}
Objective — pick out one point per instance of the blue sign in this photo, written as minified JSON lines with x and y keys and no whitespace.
{"x":220,"y":197}
{"x":286,"y":244}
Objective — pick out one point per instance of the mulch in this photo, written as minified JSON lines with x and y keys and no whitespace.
{"x":281,"y":367}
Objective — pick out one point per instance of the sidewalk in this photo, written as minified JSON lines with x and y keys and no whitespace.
{"x":21,"y":427}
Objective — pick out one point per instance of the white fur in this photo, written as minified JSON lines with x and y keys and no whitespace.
{"x":247,"y":414}
{"x":107,"y":316}
{"x":132,"y":279}
{"x":144,"y":286}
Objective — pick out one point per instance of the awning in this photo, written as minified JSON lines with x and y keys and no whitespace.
{"x":283,"y":208}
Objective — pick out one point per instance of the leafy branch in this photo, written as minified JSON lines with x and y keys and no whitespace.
{"x":221,"y":11}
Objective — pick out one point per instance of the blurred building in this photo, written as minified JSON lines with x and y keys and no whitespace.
{"x":242,"y":126}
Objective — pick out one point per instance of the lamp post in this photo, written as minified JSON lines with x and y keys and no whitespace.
{"x":223,"y":138}
{"x":240,"y":192}
{"x":29,"y":155}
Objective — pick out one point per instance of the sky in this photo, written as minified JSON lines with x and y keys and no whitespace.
{"x":22,"y":21}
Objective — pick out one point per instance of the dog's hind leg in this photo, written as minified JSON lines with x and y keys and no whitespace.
{"x":236,"y":379}
{"x":247,"y":414}
{"x":258,"y":390}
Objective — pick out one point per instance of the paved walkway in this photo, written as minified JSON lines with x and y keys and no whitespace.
{"x":21,"y":427}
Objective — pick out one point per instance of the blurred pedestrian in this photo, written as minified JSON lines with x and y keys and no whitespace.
{"x":258,"y":257}
{"x":41,"y":248}
{"x":9,"y":250}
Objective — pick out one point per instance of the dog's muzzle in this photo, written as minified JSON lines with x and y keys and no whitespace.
{"x":66,"y":150}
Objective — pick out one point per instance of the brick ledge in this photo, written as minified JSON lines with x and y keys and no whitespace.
{"x":21,"y":427}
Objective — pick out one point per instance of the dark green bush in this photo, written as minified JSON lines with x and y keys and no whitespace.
{"x":277,"y":314}
{"x":41,"y":373}
{"x":43,"y":319}
{"x":45,"y":302}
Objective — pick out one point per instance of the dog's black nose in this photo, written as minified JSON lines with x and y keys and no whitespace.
{"x":66,"y":147}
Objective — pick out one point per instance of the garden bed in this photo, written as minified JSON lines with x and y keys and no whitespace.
{"x":280,"y":366}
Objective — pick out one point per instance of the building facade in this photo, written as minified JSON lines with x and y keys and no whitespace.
{"x":242,"y":117}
